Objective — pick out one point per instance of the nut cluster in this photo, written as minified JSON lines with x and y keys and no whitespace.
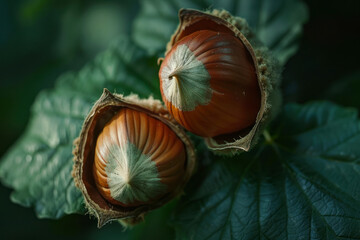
{"x":216,"y":80}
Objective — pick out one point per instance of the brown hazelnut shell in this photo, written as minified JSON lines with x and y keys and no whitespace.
{"x":103,"y":110}
{"x":267,"y":71}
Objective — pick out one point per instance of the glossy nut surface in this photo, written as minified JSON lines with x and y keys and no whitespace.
{"x":209,"y":84}
{"x":137,"y":159}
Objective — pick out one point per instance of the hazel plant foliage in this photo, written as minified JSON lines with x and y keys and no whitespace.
{"x":302,"y":184}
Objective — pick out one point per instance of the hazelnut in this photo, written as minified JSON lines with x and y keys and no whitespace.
{"x":216,"y":82}
{"x":131,"y":157}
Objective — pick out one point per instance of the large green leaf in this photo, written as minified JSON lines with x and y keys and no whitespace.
{"x":38,"y":167}
{"x":303,"y":182}
{"x":277,"y":23}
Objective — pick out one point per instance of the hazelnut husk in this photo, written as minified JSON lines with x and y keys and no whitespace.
{"x":90,"y":180}
{"x":229,"y":121}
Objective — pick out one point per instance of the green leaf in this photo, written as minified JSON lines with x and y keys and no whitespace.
{"x":303,"y":182}
{"x":157,"y":21}
{"x":38,"y":167}
{"x":277,"y":23}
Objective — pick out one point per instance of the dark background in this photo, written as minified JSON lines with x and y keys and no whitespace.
{"x":40,"y":39}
